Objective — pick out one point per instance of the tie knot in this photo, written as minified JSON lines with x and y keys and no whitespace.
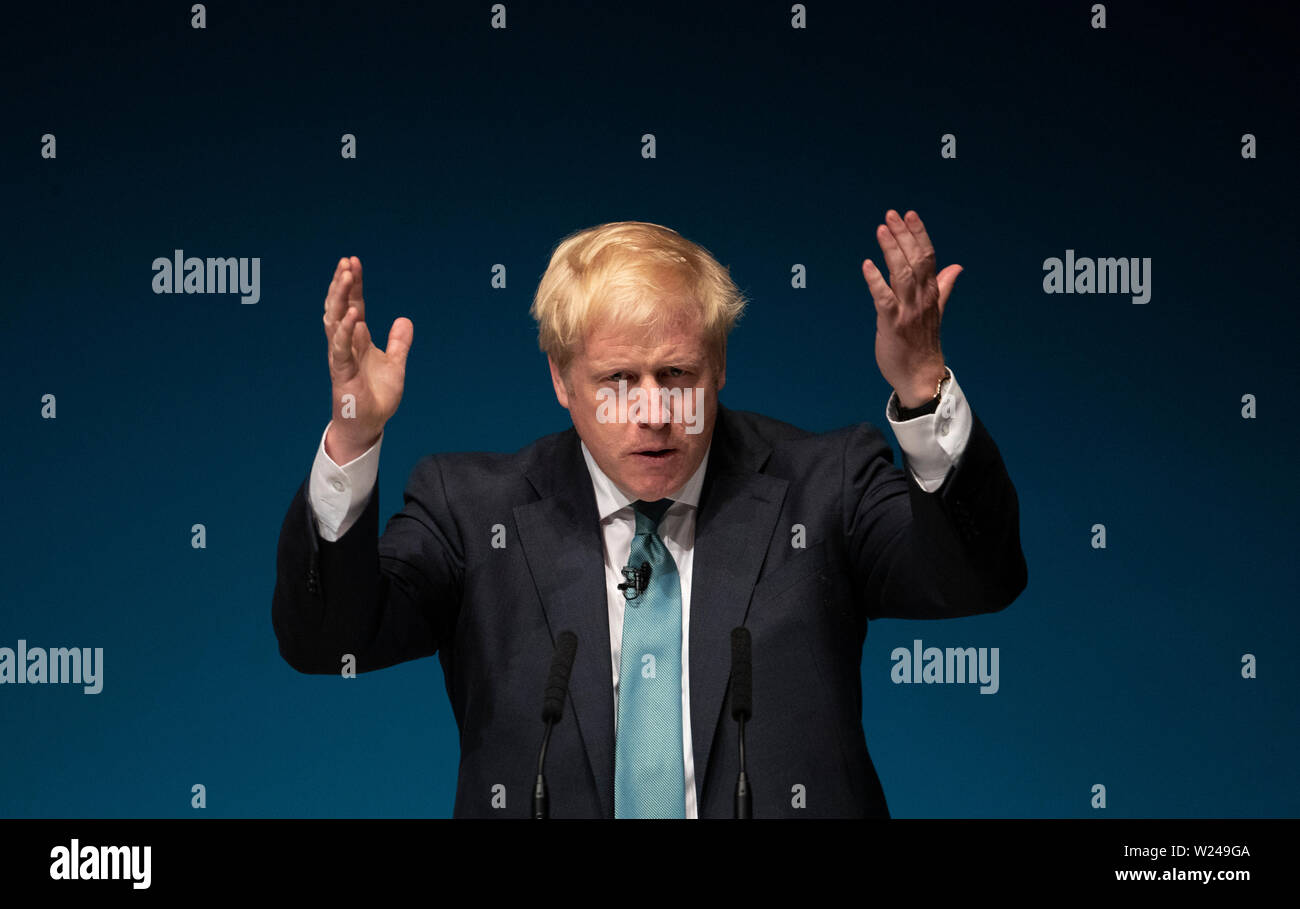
{"x":652,"y":511}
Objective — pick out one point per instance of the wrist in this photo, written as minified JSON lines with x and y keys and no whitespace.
{"x":912,"y":401}
{"x":344,"y":447}
{"x":923,"y":392}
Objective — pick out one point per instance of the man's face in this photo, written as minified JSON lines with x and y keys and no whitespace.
{"x":648,"y":452}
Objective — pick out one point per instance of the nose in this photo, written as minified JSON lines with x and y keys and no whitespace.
{"x":656,"y":410}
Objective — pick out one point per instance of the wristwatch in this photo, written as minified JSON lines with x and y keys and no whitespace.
{"x":907,"y":413}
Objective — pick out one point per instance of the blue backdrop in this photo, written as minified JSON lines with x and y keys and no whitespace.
{"x":775,"y":146}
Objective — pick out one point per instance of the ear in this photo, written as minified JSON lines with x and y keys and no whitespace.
{"x":557,"y":380}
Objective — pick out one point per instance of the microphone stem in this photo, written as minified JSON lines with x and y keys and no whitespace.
{"x":742,"y":744}
{"x":541,"y":798}
{"x":546,"y":740}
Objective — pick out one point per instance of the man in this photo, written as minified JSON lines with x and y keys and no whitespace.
{"x":651,"y":532}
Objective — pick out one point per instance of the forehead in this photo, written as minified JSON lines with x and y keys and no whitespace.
{"x":684,"y":337}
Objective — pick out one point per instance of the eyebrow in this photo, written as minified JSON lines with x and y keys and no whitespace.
{"x":618,"y":365}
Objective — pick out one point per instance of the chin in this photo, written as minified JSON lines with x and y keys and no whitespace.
{"x":652,"y":478}
{"x":652,"y":489}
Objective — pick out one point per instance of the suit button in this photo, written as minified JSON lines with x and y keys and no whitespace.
{"x":943,"y":429}
{"x":337,"y":484}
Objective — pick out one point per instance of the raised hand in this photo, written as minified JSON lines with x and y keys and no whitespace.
{"x":367,"y":381}
{"x":908,"y":313}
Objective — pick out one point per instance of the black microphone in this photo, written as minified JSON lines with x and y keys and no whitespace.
{"x":557,"y":686}
{"x":638,"y":579}
{"x":742,"y":708}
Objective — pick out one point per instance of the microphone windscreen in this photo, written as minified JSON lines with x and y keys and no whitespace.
{"x":557,"y":685}
{"x":742,"y":674}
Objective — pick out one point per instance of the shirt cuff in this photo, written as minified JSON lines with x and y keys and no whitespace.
{"x":932,"y":443}
{"x":339,"y":494}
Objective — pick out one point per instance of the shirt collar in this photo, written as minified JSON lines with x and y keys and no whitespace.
{"x":609,"y":498}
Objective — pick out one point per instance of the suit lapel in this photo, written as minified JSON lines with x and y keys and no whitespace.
{"x":737,"y":516}
{"x":561,"y":540}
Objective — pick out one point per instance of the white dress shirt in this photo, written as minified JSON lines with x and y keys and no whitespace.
{"x":931,"y":445}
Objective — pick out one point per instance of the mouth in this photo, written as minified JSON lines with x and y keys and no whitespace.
{"x":654,"y":454}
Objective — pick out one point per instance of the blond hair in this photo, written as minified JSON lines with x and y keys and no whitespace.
{"x":632,"y":274}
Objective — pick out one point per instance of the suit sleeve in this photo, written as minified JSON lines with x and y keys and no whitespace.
{"x":384,"y":600}
{"x":929,"y":555}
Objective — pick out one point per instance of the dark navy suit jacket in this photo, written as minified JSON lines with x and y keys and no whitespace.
{"x":877,"y":545}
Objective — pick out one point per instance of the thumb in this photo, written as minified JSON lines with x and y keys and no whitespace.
{"x":946,"y":279}
{"x":399,"y":340}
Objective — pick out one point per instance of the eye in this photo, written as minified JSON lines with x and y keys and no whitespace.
{"x":676,"y":371}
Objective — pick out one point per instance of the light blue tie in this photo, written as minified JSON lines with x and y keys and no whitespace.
{"x":649,"y":774}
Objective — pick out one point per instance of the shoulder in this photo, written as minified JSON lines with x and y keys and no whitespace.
{"x":473,"y":483}
{"x":491,"y":467}
{"x":749,"y":431}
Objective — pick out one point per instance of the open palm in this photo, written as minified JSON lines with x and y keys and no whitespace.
{"x":909,"y":311}
{"x":373,"y":378}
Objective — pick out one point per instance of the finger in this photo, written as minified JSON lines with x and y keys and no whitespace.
{"x":924,"y":260}
{"x":361,"y":343}
{"x":354,"y":289}
{"x":341,"y":343}
{"x":880,"y":292}
{"x":906,"y":242}
{"x":338,"y":308}
{"x":334,"y":307}
{"x":900,"y":272}
{"x":399,"y":341}
{"x":340,"y":267}
{"x":917,"y":227}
